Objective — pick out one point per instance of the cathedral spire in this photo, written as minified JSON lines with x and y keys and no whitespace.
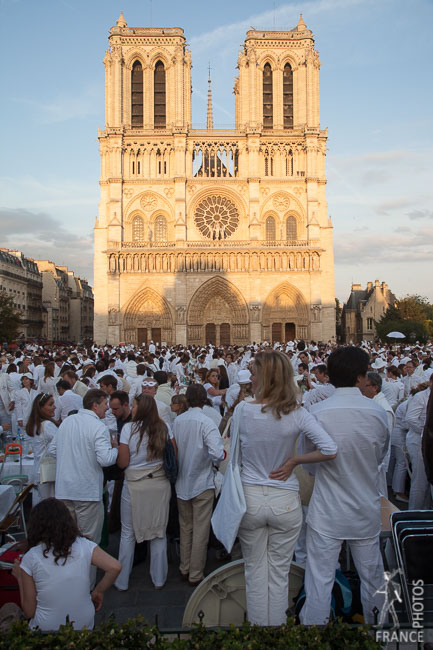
{"x":301,"y":26}
{"x":121,"y":22}
{"x":209,"y":122}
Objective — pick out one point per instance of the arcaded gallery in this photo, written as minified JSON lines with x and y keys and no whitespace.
{"x":212,"y":234}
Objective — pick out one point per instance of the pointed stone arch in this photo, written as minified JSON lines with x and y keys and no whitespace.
{"x":218,"y":302}
{"x":285,"y":306}
{"x":147,"y":310}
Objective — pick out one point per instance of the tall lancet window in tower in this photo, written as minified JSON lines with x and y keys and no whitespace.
{"x":268,"y":119}
{"x":291,"y":229}
{"x":160,"y":228}
{"x":137,"y":229}
{"x":288,"y":96}
{"x":270,"y":229}
{"x":137,"y":95}
{"x":159,"y":119}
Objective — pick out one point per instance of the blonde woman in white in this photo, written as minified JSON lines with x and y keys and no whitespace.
{"x":268,"y":430}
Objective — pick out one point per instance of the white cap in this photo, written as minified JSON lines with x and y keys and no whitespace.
{"x":244,"y":377}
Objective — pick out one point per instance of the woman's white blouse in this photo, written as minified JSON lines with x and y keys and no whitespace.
{"x":61,"y":589}
{"x":266,"y":443}
{"x":137,"y":457}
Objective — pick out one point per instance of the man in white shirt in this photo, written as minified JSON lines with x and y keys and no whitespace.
{"x":82,"y":447}
{"x":68,"y":400}
{"x":373,"y":390}
{"x":149,"y":387}
{"x":412,"y":379}
{"x":76,"y":386}
{"x":419,"y":495}
{"x":199,"y":445}
{"x":345,"y":504}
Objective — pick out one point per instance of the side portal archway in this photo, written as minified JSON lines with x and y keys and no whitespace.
{"x":218,"y":309}
{"x":147,"y":316}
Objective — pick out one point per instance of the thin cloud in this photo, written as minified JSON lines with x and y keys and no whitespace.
{"x":396,"y":204}
{"x":420,"y":214}
{"x":287,"y":14}
{"x":41,"y":236}
{"x":397,"y":246}
{"x":63,"y":108}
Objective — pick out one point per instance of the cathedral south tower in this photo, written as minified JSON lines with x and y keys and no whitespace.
{"x":212,"y":235}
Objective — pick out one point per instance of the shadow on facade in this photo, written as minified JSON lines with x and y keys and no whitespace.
{"x":195,"y":298}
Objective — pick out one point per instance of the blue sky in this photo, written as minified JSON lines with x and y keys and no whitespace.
{"x":376,"y":100}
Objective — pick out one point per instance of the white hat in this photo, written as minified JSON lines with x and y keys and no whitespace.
{"x":379,"y":363}
{"x":27,"y":374}
{"x":88,"y":362}
{"x":244,"y":377}
{"x":232,"y":394}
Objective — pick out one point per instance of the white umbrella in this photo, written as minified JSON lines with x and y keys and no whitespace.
{"x":396,"y":335}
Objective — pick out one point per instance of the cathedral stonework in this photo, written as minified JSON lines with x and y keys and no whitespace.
{"x":212,"y":235}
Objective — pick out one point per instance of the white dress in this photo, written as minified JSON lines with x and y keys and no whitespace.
{"x":62,"y":589}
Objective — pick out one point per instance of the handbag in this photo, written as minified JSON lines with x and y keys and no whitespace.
{"x":169,"y":462}
{"x":47,"y":467}
{"x":231,"y":506}
{"x":226,"y":442}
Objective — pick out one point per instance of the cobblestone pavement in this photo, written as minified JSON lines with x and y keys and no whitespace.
{"x":167,"y":604}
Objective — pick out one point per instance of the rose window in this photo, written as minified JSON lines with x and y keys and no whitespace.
{"x":216,"y":217}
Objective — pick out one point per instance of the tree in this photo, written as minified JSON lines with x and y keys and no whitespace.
{"x":410,"y":315}
{"x":413,"y":308}
{"x":10,"y":320}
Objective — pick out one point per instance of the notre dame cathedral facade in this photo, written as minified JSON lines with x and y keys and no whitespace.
{"x":212,"y":235}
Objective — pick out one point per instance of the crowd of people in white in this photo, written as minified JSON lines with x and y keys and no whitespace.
{"x":345,"y":421}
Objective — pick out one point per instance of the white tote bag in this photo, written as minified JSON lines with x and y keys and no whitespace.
{"x":231,"y":506}
{"x":47,"y":467}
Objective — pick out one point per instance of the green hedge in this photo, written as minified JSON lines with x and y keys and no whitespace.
{"x":135,"y":634}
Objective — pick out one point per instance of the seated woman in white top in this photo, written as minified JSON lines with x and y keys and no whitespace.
{"x":268,"y":430}
{"x":146,"y":490}
{"x":41,"y":428}
{"x":53,"y":576}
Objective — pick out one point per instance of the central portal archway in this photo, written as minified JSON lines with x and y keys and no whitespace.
{"x":218,"y":311}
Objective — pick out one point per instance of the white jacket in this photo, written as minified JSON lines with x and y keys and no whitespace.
{"x":82,"y":447}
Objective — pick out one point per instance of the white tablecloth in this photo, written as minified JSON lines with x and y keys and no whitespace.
{"x":7,"y":497}
{"x":12,"y":467}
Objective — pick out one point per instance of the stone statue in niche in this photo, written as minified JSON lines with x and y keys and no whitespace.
{"x":112,"y":315}
{"x":180,"y":314}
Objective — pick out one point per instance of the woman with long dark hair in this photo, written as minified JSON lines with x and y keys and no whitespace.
{"x":42,"y":428}
{"x":146,"y":492}
{"x":47,"y":382}
{"x":54,"y":574}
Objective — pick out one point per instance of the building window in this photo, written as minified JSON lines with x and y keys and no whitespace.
{"x":288,"y":96}
{"x":289,"y":163}
{"x":137,"y":229}
{"x":270,"y":229}
{"x":159,"y":96}
{"x":291,"y":229}
{"x":160,"y":228}
{"x":268,"y":120}
{"x":369,"y":323}
{"x":137,"y":95}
